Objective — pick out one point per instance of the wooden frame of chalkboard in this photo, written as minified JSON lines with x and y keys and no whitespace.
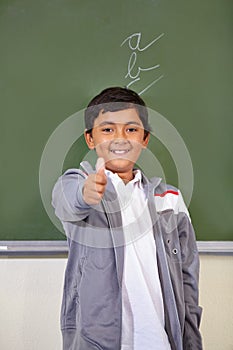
{"x":60,"y":249}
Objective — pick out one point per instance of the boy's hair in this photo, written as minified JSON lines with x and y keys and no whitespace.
{"x":116,"y":99}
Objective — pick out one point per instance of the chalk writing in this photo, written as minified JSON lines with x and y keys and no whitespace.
{"x":134,"y":43}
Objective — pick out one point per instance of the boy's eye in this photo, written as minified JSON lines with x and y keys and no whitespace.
{"x":131,"y":130}
{"x":107,"y":130}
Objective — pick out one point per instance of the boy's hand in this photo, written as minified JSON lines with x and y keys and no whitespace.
{"x":94,"y":186}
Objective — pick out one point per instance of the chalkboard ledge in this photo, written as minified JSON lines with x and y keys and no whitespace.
{"x":60,"y":249}
{"x":215,"y":247}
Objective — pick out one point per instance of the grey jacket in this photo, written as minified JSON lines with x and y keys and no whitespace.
{"x":91,"y":307}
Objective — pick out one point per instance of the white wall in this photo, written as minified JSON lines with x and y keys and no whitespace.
{"x":30,"y":295}
{"x":216,"y":298}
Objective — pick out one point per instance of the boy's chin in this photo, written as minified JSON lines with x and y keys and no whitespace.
{"x":119,"y":165}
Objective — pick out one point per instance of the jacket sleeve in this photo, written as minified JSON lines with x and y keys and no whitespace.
{"x":67,"y":198}
{"x":190,"y":271}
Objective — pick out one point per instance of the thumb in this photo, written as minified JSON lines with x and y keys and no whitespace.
{"x":100,"y":165}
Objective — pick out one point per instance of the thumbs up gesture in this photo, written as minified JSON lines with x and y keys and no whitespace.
{"x":94,"y":186}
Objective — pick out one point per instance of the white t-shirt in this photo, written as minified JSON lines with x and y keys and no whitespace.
{"x":142,"y":301}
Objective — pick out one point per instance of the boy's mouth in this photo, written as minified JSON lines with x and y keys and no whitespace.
{"x":120,"y":151}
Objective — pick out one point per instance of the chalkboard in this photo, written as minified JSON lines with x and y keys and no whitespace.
{"x":57,"y":54}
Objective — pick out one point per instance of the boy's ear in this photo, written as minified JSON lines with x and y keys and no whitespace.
{"x":89,"y":139}
{"x":146,"y":140}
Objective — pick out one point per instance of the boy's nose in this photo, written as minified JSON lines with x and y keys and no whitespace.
{"x":120,"y":141}
{"x":120,"y":135}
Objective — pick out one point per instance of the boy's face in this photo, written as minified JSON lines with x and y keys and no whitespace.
{"x":118,"y":137}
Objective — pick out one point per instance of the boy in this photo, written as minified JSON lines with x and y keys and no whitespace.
{"x":131,"y":281}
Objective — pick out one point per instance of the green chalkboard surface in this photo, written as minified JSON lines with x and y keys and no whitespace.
{"x":57,"y":54}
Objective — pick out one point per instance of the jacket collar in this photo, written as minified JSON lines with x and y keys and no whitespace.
{"x":150,"y":183}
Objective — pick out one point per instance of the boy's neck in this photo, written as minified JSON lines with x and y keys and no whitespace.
{"x":125,"y":177}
